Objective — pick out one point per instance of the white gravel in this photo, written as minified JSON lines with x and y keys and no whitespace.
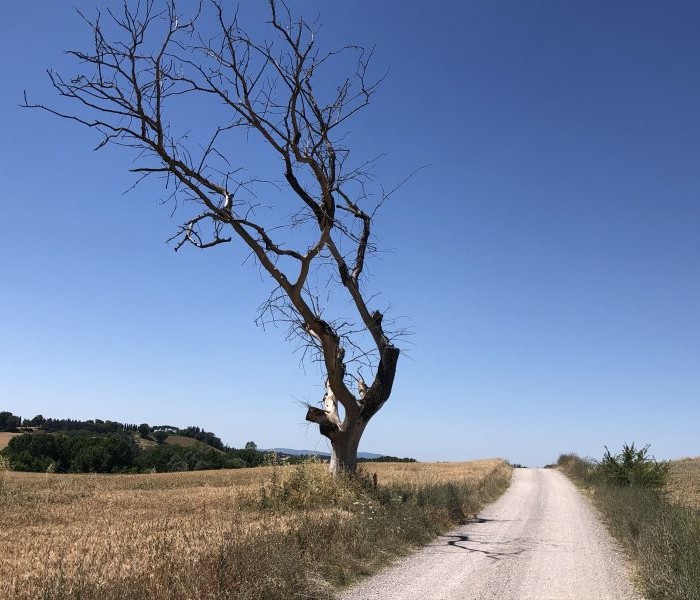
{"x":541,"y":540}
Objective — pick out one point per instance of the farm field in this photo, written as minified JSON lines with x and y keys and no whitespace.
{"x":5,"y":438}
{"x":684,"y":482}
{"x":224,"y":534}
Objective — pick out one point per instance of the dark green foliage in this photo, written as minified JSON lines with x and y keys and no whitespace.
{"x":252,"y":458}
{"x":107,"y":446}
{"x":160,"y":436}
{"x":391,"y":459}
{"x":35,"y":452}
{"x":171,"y":458}
{"x":78,"y":453}
{"x":8,"y":421}
{"x":36,"y":421}
{"x":85,"y":452}
{"x":94,"y":425}
{"x":633,"y":467}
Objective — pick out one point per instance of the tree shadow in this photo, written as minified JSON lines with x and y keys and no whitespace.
{"x":461,"y":541}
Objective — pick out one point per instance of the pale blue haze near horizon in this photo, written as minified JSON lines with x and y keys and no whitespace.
{"x":548,"y":260}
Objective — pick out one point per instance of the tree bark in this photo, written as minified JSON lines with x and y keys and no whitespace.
{"x":345,"y":436}
{"x":344,"y":448}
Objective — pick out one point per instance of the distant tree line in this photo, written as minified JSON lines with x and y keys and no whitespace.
{"x":75,"y":446}
{"x":10,"y":422}
{"x":81,"y":452}
{"x":295,"y":459}
{"x":97,"y":446}
{"x":393,"y":459}
{"x":89,"y":452}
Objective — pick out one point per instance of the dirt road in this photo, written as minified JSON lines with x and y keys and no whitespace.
{"x":540,"y":541}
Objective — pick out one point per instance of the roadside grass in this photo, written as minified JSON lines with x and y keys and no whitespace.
{"x":271,"y":532}
{"x":661,"y":536}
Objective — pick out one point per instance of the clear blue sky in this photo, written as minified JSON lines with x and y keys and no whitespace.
{"x":548,"y":260}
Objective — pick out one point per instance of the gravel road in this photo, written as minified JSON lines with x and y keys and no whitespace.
{"x":539,"y":541}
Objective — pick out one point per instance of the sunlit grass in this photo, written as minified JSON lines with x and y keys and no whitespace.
{"x":270,"y":532}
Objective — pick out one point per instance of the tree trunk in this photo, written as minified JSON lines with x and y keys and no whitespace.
{"x":344,"y":448}
{"x":345,"y":435}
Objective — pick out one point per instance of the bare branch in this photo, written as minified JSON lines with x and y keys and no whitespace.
{"x":145,"y":62}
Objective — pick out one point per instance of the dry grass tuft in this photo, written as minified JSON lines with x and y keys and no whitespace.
{"x":270,"y":532}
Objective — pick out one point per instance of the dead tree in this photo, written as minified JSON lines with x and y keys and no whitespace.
{"x":151,"y":69}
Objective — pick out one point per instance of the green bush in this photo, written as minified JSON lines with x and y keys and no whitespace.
{"x":633,"y":467}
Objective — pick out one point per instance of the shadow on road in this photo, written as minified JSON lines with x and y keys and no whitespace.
{"x":465,"y":543}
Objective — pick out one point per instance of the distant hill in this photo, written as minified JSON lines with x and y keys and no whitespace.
{"x":188,"y":442}
{"x":173,"y":440}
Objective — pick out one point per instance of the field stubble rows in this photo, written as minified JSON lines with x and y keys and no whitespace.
{"x":683,"y":484}
{"x":214,"y":534}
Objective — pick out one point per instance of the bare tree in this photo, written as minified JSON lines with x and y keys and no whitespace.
{"x":311,"y":231}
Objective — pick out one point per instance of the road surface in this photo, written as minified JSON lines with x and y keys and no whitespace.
{"x":540,"y":541}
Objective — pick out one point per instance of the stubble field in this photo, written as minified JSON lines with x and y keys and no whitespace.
{"x":270,"y":532}
{"x":5,"y":438}
{"x":684,"y":482}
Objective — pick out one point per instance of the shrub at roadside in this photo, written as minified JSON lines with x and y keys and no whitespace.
{"x":661,"y":537}
{"x":633,"y":468}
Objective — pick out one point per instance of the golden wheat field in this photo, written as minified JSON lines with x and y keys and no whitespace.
{"x":64,"y":534}
{"x":684,"y":482}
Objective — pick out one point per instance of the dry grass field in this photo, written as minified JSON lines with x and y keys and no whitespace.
{"x":249,"y":533}
{"x":187,"y":442}
{"x":684,"y":482}
{"x":5,"y":438}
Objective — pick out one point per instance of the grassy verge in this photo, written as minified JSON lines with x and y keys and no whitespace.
{"x":661,"y":537}
{"x":272,"y":533}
